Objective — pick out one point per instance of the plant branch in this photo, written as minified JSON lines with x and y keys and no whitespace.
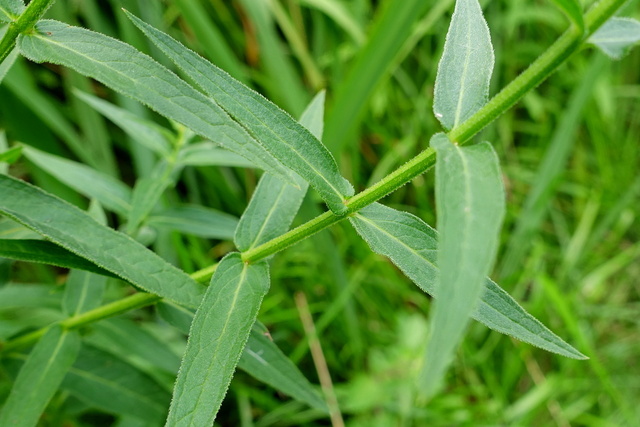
{"x":23,"y":24}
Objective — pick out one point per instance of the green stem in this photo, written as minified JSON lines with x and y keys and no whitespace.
{"x":541,"y":68}
{"x":23,"y":24}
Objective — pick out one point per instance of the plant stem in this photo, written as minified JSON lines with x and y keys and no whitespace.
{"x":539,"y":70}
{"x":24,"y":23}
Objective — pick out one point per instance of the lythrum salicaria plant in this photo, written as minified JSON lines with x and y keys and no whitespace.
{"x":217,"y":120}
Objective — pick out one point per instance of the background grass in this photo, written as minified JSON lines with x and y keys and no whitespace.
{"x":570,"y":153}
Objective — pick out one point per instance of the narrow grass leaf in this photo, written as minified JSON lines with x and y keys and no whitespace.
{"x":286,"y":139}
{"x":77,"y":232}
{"x":263,"y":360}
{"x":82,"y":292}
{"x":218,"y":335}
{"x":341,"y":15}
{"x":40,"y":377}
{"x":464,"y":71}
{"x":412,"y":245}
{"x":104,"y":381}
{"x":128,"y":71}
{"x":209,"y":154}
{"x":111,"y":193}
{"x":145,"y":132}
{"x":197,"y":221}
{"x":44,"y":252}
{"x":573,"y":10}
{"x":470,"y":206}
{"x":616,"y":36}
{"x":5,"y":65}
{"x":147,"y":193}
{"x":275,"y":203}
{"x":11,"y":155}
{"x":10,"y":10}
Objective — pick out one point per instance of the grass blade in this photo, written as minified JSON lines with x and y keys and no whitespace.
{"x":219,"y":332}
{"x":127,"y":70}
{"x":464,"y":71}
{"x":286,"y":139}
{"x":616,"y":36}
{"x":40,"y":377}
{"x":275,"y":203}
{"x":412,"y":245}
{"x":197,"y":221}
{"x":470,"y":205}
{"x":573,"y":10}
{"x":77,"y":232}
{"x":5,"y":65}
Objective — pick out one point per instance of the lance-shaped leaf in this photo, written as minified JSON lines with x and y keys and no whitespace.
{"x":40,"y":377}
{"x":286,"y":139}
{"x":77,"y":232}
{"x":412,"y":245}
{"x":83,"y":292}
{"x":616,"y":36}
{"x":208,"y":154}
{"x":196,"y":220}
{"x":275,"y":203}
{"x":110,"y":192}
{"x":129,"y":71}
{"x":470,"y":206}
{"x":464,"y":71}
{"x":5,"y":65}
{"x":218,"y":334}
{"x":573,"y":10}
{"x":10,"y":10}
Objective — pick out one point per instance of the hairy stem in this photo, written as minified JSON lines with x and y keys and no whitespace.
{"x":23,"y":24}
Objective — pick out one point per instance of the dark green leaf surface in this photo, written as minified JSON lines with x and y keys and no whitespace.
{"x":573,"y":10}
{"x":126,"y":70}
{"x":196,"y":220}
{"x":470,"y":205}
{"x":217,"y":338}
{"x":412,"y":245}
{"x":45,"y":252}
{"x":76,"y":231}
{"x":464,"y":71}
{"x":286,"y":139}
{"x":616,"y":36}
{"x":40,"y":377}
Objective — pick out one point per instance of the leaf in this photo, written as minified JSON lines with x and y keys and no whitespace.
{"x":111,"y":193}
{"x":208,"y":154}
{"x":128,"y":71}
{"x":265,"y":361}
{"x":5,"y":65}
{"x":45,"y":252}
{"x":616,"y":36}
{"x":11,"y":155}
{"x":470,"y":207}
{"x":103,"y":381}
{"x":412,"y":246}
{"x":573,"y":10}
{"x":40,"y":377}
{"x":77,"y":232}
{"x":285,"y":138}
{"x":218,"y":335}
{"x":10,"y":10}
{"x":147,"y":193}
{"x":82,"y":292}
{"x":196,"y":220}
{"x":20,"y":295}
{"x":464,"y":71}
{"x":275,"y":203}
{"x":145,"y":132}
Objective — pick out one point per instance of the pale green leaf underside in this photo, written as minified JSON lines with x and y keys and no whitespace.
{"x":275,"y":203}
{"x":218,"y":335}
{"x":40,"y":377}
{"x":111,"y":193}
{"x":573,"y":10}
{"x":74,"y":230}
{"x":5,"y":65}
{"x":209,"y":154}
{"x":464,"y":72}
{"x":129,"y":71}
{"x":616,"y":36}
{"x":287,"y":140}
{"x":196,"y":220}
{"x":470,"y":208}
{"x":10,"y":10}
{"x":412,"y":245}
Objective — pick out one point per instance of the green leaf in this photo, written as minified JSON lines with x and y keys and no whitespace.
{"x":10,"y":10}
{"x":82,"y":292}
{"x":265,"y":361}
{"x":103,"y":381}
{"x":616,"y":36}
{"x":285,"y":138}
{"x":45,"y":252}
{"x":573,"y":10}
{"x":275,"y":203}
{"x":11,"y":155}
{"x":218,"y":335}
{"x":464,"y":71}
{"x":111,"y":193}
{"x":145,"y":132}
{"x":196,"y":220}
{"x":470,"y":208}
{"x":40,"y":377}
{"x":20,"y":295}
{"x":128,"y":71}
{"x":147,"y":193}
{"x":5,"y":65}
{"x":77,"y":232}
{"x":208,"y":154}
{"x":412,"y":246}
